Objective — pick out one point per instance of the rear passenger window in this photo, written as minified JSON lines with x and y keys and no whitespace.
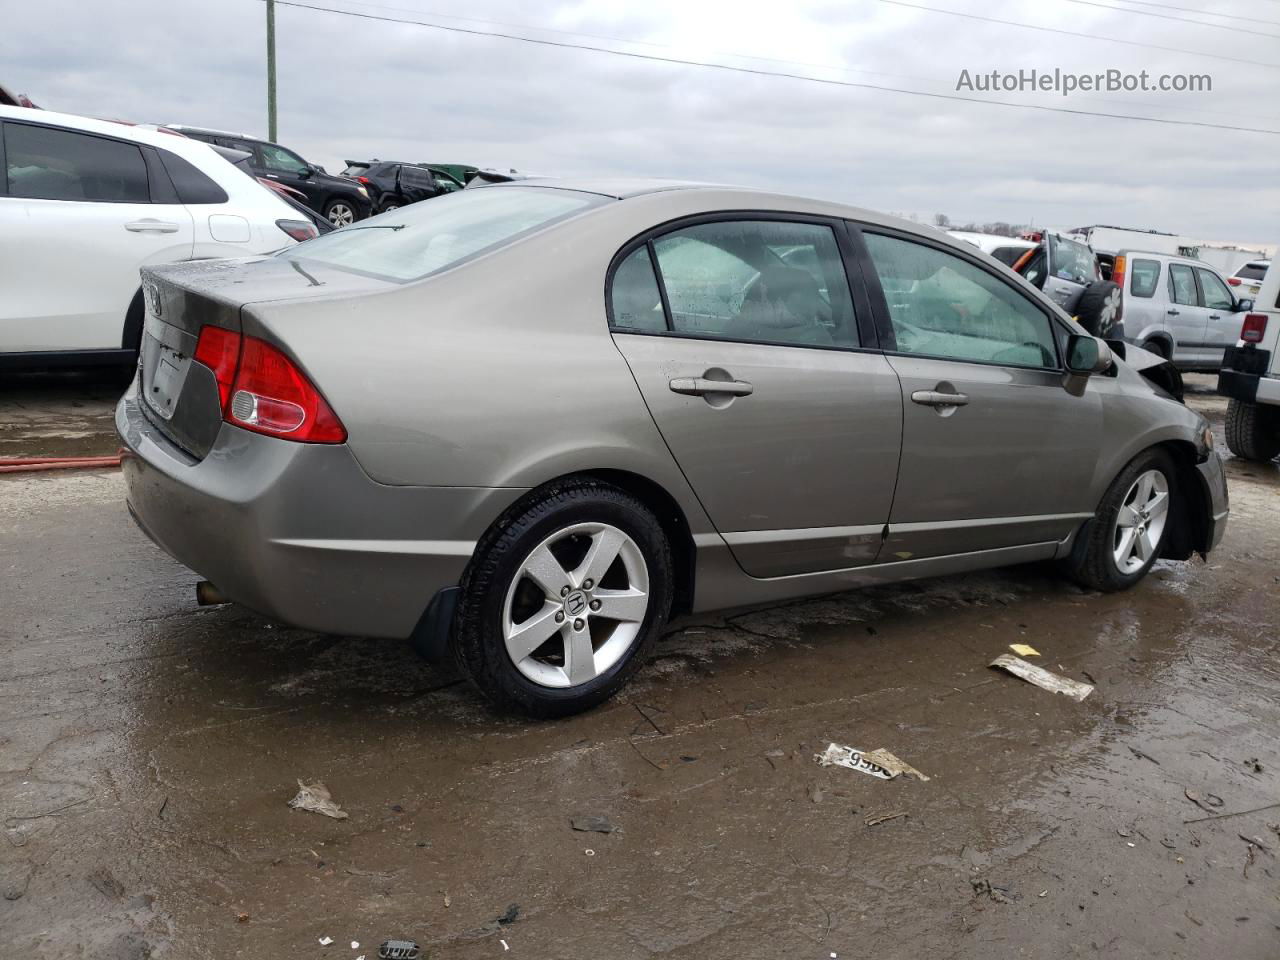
{"x":1145,"y":276}
{"x":635,"y":300}
{"x":1216,"y":294}
{"x":192,"y":185}
{"x":763,"y":281}
{"x":943,"y":306}
{"x":1182,"y":285}
{"x":47,"y":164}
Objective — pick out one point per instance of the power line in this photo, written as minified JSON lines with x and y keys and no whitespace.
{"x":1087,"y":36}
{"x":1203,"y":13}
{"x":841,"y":68}
{"x":655,"y":58}
{"x":1165,"y":16}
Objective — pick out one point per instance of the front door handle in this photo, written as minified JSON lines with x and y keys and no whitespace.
{"x":151,"y":226}
{"x":1215,"y":316}
{"x":700,"y":386}
{"x":1173,"y":313}
{"x":936,"y":398}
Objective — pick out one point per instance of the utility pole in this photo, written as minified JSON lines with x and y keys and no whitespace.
{"x":271,"y":70}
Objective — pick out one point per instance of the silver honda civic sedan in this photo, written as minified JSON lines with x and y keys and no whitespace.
{"x":523,"y":425}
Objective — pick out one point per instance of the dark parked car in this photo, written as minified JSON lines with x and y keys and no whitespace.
{"x":340,"y":199}
{"x":243,"y":161}
{"x":393,"y":184}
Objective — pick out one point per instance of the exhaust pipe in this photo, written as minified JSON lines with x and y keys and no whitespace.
{"x":208,"y":595}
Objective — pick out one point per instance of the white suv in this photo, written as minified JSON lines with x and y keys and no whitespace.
{"x":85,"y":203}
{"x":1250,"y":377}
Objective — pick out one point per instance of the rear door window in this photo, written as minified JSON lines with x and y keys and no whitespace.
{"x":1144,"y":277}
{"x":635,"y":302}
{"x":941,"y":305}
{"x":43,"y":163}
{"x":762,"y":281}
{"x":1216,"y":294}
{"x":1182,"y":285}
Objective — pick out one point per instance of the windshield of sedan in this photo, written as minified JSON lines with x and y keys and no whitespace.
{"x":424,"y":238}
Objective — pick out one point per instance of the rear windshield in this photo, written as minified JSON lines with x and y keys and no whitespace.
{"x":424,"y":238}
{"x":1071,"y":260}
{"x":1252,"y":271}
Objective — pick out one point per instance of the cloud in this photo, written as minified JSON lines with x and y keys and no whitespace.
{"x":352,"y":88}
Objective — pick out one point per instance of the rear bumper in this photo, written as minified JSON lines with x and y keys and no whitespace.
{"x":1214,"y":478}
{"x":298,"y":531}
{"x":1244,"y":376}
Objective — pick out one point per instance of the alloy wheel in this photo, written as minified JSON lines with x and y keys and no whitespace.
{"x":576,"y":605}
{"x":1140,"y":521}
{"x":341,"y":215}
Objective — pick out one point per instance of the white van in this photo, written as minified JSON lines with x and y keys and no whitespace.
{"x":1250,"y":377}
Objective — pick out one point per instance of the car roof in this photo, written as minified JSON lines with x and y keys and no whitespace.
{"x":156,"y":136}
{"x":205,"y":131}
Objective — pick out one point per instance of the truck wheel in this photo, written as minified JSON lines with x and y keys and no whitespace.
{"x":562,"y":597}
{"x":1117,"y":547}
{"x":1099,"y":308}
{"x":1253,"y":431}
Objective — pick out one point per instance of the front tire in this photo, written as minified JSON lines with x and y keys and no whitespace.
{"x":1117,"y":547}
{"x":562,"y":598}
{"x":1253,"y":431}
{"x":340,"y":213}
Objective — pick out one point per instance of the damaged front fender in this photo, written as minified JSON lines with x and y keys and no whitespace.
{"x":1151,"y":365}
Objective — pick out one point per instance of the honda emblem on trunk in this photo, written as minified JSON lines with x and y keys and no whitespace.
{"x":152,"y":294}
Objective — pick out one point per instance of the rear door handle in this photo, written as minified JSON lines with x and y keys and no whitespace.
{"x":1173,"y":313}
{"x":1215,"y":316}
{"x":699,"y":386}
{"x":151,"y":226}
{"x":936,"y":398}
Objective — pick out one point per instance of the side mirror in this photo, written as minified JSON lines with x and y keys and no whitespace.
{"x":1242,"y":306}
{"x":1088,"y":355}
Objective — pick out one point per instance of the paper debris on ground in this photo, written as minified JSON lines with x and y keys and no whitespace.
{"x":594,"y":823}
{"x":1042,"y":678}
{"x":1024,"y":650}
{"x":879,"y":763}
{"x":876,"y":819}
{"x":315,"y":798}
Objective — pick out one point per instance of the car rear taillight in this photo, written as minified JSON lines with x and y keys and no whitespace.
{"x":298,"y":229}
{"x":262,"y":390}
{"x":364,"y":180}
{"x":1255,"y":327}
{"x":219,"y":350}
{"x":1234,"y":281}
{"x":1117,"y":271}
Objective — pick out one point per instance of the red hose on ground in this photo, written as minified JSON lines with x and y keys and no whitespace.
{"x":36,"y":464}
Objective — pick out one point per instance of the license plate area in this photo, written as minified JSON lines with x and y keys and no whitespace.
{"x":166,"y":361}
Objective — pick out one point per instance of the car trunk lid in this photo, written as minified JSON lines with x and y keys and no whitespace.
{"x":180,"y":394}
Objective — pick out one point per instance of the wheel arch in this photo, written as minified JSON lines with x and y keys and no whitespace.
{"x":1189,"y":532}
{"x":131,"y":338}
{"x":1161,"y":337}
{"x":669,"y":514}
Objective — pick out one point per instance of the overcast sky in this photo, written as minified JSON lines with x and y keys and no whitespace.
{"x":354,"y":88}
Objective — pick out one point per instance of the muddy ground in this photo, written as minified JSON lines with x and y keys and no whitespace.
{"x":148,"y":751}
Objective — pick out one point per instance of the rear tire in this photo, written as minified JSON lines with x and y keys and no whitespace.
{"x":1253,"y":431}
{"x":571,"y":638}
{"x":1158,"y":347}
{"x":1115,"y":549}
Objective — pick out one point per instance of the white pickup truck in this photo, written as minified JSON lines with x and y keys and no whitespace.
{"x":1250,"y":377}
